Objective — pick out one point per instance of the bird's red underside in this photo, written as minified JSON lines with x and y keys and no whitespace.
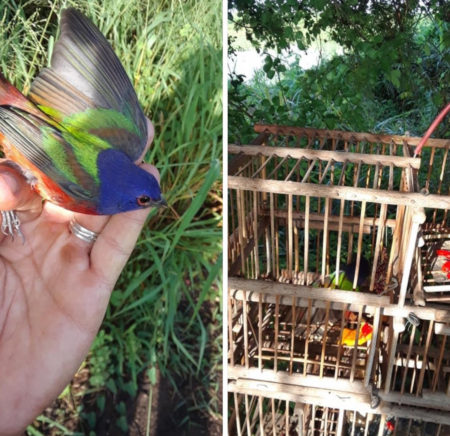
{"x":45,"y":187}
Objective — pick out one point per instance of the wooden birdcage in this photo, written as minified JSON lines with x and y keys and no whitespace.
{"x":429,"y":283}
{"x":307,"y":206}
{"x":258,"y":413}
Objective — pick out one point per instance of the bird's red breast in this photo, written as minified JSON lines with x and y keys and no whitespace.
{"x":43,"y":185}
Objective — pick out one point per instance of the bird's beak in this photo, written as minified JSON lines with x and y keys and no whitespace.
{"x":160,"y":203}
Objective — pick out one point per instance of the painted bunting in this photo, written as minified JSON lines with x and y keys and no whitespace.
{"x":347,"y":275}
{"x":80,"y":131}
{"x":349,"y":335}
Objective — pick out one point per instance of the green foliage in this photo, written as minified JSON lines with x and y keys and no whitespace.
{"x":393,"y":76}
{"x":172,"y":52}
{"x":101,"y":367}
{"x":275,"y":24}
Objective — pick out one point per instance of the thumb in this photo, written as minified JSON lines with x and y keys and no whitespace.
{"x":15,"y":192}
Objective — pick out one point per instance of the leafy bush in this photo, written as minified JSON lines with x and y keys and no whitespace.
{"x":389,"y":79}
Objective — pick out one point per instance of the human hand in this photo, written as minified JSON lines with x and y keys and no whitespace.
{"x":54,"y":290}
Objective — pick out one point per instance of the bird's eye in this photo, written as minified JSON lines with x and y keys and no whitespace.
{"x":144,"y":200}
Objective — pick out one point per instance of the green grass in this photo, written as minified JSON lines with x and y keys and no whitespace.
{"x":165,"y":311}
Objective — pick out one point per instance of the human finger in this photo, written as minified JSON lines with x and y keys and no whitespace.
{"x":150,"y":136}
{"x":117,"y":240}
{"x":72,"y":220}
{"x":15,"y":192}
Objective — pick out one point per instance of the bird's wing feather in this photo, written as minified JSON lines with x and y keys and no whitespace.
{"x":86,"y":77}
{"x":47,"y":149}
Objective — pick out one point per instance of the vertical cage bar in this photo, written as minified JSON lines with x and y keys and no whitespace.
{"x":308,"y":332}
{"x":247,"y":415}
{"x":241,"y":227}
{"x":441,"y":179}
{"x":255,"y":232}
{"x":340,"y":423}
{"x":339,"y":242}
{"x":417,"y":219}
{"x":274,"y":427}
{"x":268,"y":250}
{"x":306,"y":233}
{"x":382,"y":425}
{"x":341,"y":333}
{"x":245,"y":321}
{"x":294,"y":317}
{"x":277,"y":327}
{"x":391,"y":358}
{"x":272,"y":231}
{"x":290,"y":236}
{"x":373,"y":345}
{"x":277,"y":242}
{"x":261,"y":415}
{"x":287,"y":417}
{"x":408,"y":357}
{"x":359,"y":249}
{"x":313,"y":420}
{"x":325,"y":240}
{"x":425,"y":359}
{"x":438,"y":367}
{"x":238,"y":418}
{"x":260,"y":327}
{"x":353,"y":422}
{"x":230,"y":332}
{"x":232,"y":247}
{"x":355,"y":348}
{"x":366,"y":426}
{"x":380,"y":231}
{"x":324,"y":338}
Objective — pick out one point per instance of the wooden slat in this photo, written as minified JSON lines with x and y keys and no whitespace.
{"x":330,"y":398}
{"x":296,"y":379}
{"x":349,"y":136}
{"x":265,"y":288}
{"x":300,"y":291}
{"x":437,"y":288}
{"x":325,"y":155}
{"x":238,"y":419}
{"x":339,"y":192}
{"x":433,"y":400}
{"x":373,"y":344}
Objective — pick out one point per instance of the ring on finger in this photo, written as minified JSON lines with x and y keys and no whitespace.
{"x":81,"y":232}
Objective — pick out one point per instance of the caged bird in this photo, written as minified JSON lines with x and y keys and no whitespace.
{"x":347,"y":275}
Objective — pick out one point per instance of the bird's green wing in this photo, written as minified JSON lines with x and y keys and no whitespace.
{"x":52,"y":152}
{"x":343,"y":283}
{"x":86,"y":88}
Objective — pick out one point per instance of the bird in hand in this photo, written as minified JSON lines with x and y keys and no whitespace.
{"x":80,"y":131}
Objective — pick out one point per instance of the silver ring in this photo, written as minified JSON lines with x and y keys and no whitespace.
{"x":81,"y":232}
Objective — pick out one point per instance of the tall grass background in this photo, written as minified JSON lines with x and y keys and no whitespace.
{"x":165,"y":315}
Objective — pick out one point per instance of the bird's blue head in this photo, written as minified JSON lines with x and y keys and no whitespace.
{"x":124,"y":186}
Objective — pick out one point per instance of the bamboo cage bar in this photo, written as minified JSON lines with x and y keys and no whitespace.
{"x":268,"y":297}
{"x":332,"y":388}
{"x":313,"y":353}
{"x":344,"y":192}
{"x":354,"y":137}
{"x":340,"y":399}
{"x":329,"y":156}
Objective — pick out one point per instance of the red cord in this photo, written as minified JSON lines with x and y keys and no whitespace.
{"x":430,"y":130}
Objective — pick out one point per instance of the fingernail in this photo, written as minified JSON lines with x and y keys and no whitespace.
{"x":11,"y":181}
